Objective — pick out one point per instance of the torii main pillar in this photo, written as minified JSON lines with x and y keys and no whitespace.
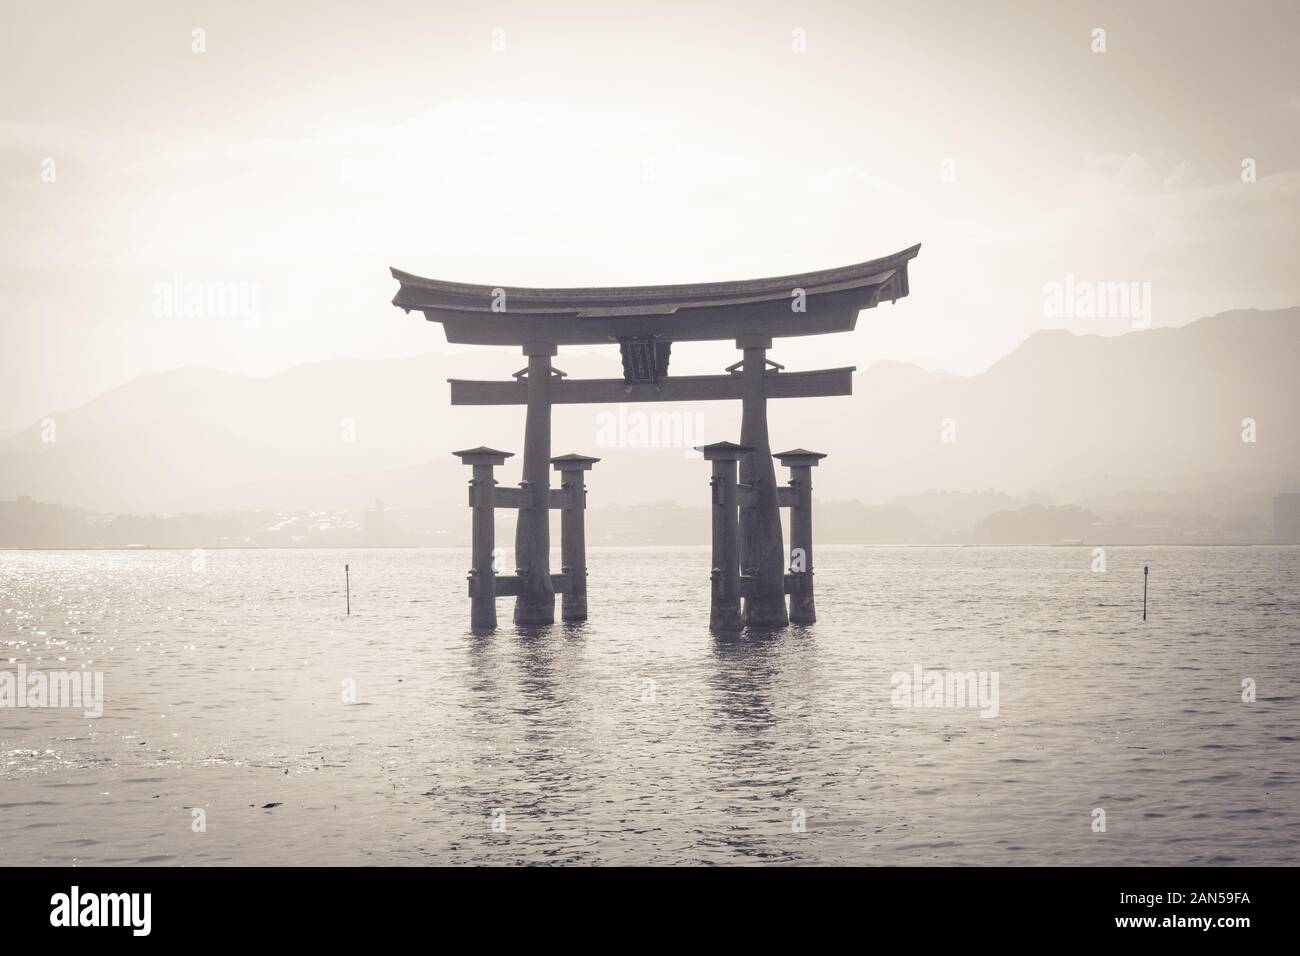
{"x":762,"y":554}
{"x":535,"y":603}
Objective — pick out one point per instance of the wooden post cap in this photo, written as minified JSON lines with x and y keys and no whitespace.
{"x":573,"y":462}
{"x":482,"y":455}
{"x":798,"y":456}
{"x":723,"y":451}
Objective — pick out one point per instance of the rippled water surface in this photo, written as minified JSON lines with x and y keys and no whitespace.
{"x":640,"y":738}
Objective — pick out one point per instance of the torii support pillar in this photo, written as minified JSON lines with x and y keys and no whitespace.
{"x":535,"y":603}
{"x":482,"y":494}
{"x":724,"y":601}
{"x":573,"y":532}
{"x":761,"y":552}
{"x":800,"y":461}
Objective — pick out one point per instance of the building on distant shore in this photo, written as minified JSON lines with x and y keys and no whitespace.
{"x":1286,"y":519}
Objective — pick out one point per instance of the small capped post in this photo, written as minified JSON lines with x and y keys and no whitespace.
{"x":482,"y":494}
{"x":724,"y":604}
{"x":800,"y":461}
{"x":573,"y":532}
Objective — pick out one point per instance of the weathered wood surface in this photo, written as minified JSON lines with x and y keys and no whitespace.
{"x":483,"y":608}
{"x":535,"y":603}
{"x":510,"y":585}
{"x":746,"y":496}
{"x":680,"y":388}
{"x":799,"y":582}
{"x":803,"y":608}
{"x":808,"y":303}
{"x":573,"y":545}
{"x":508,"y":497}
{"x":761,"y":551}
{"x":724,"y":596}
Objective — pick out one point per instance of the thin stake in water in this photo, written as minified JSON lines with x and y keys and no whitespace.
{"x":347,"y":582}
{"x":1145,"y":569}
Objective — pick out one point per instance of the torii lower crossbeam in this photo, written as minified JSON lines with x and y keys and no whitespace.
{"x":678,"y":388}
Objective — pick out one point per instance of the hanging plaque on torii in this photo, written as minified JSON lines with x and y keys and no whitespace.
{"x":645,"y":321}
{"x":645,"y":359}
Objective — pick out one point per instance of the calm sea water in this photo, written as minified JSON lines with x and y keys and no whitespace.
{"x":640,"y":738}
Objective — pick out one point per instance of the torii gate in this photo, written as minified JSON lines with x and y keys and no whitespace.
{"x":645,"y":321}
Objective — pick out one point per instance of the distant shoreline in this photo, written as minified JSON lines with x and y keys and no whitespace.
{"x":640,"y":547}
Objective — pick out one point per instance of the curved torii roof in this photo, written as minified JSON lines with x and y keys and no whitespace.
{"x":504,"y":315}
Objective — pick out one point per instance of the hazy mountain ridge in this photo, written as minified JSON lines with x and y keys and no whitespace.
{"x":1062,"y":418}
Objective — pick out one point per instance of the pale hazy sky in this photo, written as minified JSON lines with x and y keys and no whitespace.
{"x":312,"y":145}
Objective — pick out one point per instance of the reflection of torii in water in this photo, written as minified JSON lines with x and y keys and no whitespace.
{"x":646,"y":321}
